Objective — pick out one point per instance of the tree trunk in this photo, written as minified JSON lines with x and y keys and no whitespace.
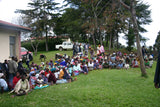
{"x":46,"y":39}
{"x":100,"y":37}
{"x":110,"y":41}
{"x":35,"y":48}
{"x":139,"y":50}
{"x":94,"y":42}
{"x":107,"y":39}
{"x":117,"y":40}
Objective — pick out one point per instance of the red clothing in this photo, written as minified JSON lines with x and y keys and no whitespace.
{"x":15,"y":80}
{"x":47,"y":73}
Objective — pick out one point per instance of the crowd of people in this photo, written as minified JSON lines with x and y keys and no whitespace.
{"x":17,"y":79}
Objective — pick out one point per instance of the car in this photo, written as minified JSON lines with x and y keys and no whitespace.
{"x":65,"y":45}
{"x":24,"y":52}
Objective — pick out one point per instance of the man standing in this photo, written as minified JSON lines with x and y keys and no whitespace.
{"x":143,"y":51}
{"x":12,"y":71}
{"x":86,"y":46}
{"x":157,"y":73}
{"x":28,"y":58}
{"x":6,"y":69}
{"x":102,"y":50}
{"x":74,"y":49}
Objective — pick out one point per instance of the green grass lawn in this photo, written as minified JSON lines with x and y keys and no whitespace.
{"x":100,"y":88}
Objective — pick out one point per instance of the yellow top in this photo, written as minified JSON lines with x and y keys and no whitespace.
{"x":61,"y":74}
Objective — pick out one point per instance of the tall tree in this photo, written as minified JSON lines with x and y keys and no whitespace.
{"x":157,"y":42}
{"x":132,"y":10}
{"x":143,"y":17}
{"x":42,"y":16}
{"x":69,"y":23}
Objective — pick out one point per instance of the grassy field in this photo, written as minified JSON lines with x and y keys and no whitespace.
{"x":100,"y":88}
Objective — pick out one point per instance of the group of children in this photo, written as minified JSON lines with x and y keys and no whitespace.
{"x":66,"y":68}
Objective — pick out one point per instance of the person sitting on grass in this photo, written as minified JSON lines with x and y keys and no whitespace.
{"x":45,"y":79}
{"x":96,"y":64}
{"x":40,"y":81}
{"x":66,"y":75}
{"x":84,"y":68}
{"x":32,"y":80}
{"x":100,"y":65}
{"x":16,"y":79}
{"x":52,"y":78}
{"x":22,"y":87}
{"x":90,"y":65}
{"x":3,"y":83}
{"x":76,"y":69}
{"x":105,"y":64}
{"x":70,"y":69}
{"x":135,"y":64}
{"x":126,"y":65}
{"x":146,"y":63}
{"x":50,"y":63}
{"x":112,"y":64}
{"x":120,"y":65}
{"x":150,"y":61}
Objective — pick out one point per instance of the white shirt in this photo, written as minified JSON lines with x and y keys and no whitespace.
{"x":3,"y":84}
{"x":90,"y":64}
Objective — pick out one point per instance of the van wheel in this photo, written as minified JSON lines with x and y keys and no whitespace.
{"x":60,"y":49}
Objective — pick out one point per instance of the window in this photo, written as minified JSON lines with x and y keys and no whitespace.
{"x":12,"y":40}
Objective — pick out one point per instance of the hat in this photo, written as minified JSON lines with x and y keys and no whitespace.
{"x":1,"y":75}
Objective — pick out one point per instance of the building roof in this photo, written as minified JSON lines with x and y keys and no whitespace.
{"x":8,"y":25}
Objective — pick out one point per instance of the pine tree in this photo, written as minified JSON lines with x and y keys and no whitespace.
{"x":42,"y":17}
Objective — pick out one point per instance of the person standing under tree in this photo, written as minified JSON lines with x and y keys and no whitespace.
{"x":12,"y":71}
{"x":74,"y":49}
{"x":157,"y":73}
{"x":28,"y":58}
{"x":143,"y":51}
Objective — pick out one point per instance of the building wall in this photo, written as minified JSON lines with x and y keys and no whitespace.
{"x":5,"y":44}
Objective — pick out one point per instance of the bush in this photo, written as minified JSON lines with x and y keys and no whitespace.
{"x":42,"y":46}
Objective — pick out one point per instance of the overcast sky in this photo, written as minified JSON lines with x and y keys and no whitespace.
{"x":7,"y":8}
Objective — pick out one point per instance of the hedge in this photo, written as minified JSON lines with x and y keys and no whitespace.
{"x":42,"y":46}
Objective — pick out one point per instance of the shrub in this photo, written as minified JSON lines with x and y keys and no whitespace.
{"x":42,"y":46}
